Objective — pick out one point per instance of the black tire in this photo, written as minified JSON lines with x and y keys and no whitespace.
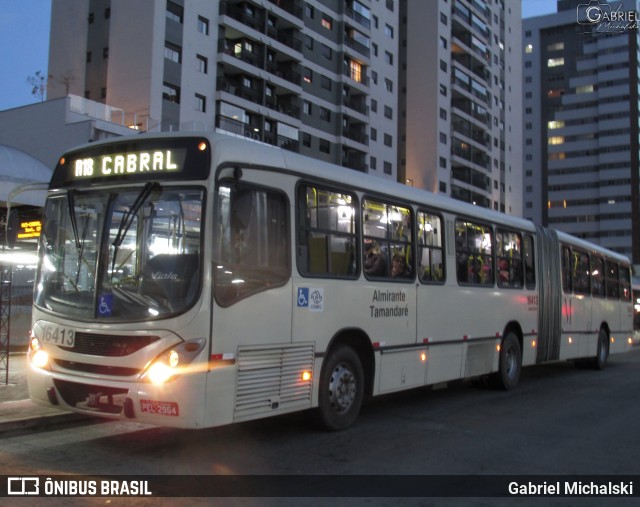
{"x":510,"y":367}
{"x":599,"y":362}
{"x":341,"y":389}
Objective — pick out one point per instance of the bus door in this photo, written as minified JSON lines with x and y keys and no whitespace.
{"x":576,"y":302}
{"x":252,"y":289}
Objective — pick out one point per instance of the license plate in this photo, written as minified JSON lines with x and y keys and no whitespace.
{"x":59,"y":335}
{"x":160,"y":407}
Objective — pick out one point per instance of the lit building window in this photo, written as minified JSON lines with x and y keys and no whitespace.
{"x":555,"y":124}
{"x":555,"y":62}
{"x":528,"y":48}
{"x":556,"y":140}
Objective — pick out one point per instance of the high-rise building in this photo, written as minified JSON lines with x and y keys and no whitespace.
{"x":315,"y":77}
{"x":424,"y":92}
{"x":461,"y":100}
{"x":581,"y":155}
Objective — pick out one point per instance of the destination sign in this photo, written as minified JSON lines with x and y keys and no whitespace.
{"x":139,"y":159}
{"x":128,"y":163}
{"x":29,"y":229}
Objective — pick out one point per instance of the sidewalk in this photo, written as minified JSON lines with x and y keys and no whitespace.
{"x":17,"y":412}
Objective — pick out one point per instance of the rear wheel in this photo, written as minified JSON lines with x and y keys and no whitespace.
{"x":341,"y":389}
{"x":508,"y":373}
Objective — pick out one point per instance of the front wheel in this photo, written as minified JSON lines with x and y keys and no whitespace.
{"x":341,"y":389}
{"x":510,"y":366}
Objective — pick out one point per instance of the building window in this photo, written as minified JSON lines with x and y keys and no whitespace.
{"x":308,"y":42}
{"x":325,"y":114}
{"x":326,"y":51}
{"x":388,"y":85}
{"x":201,"y":103}
{"x":174,"y":11}
{"x":555,"y":62}
{"x":172,"y":52}
{"x":443,"y":162}
{"x":388,"y":112}
{"x":373,"y":163}
{"x":308,"y":75}
{"x":306,"y":107}
{"x":388,"y":168}
{"x":324,"y":146}
{"x":306,"y":140}
{"x":388,"y":31}
{"x":325,"y":83}
{"x":89,"y":55}
{"x":203,"y":25}
{"x":388,"y":57}
{"x":309,"y":11}
{"x":355,"y":71}
{"x":105,"y":53}
{"x":202,"y":64}
{"x":374,"y":134}
{"x":327,"y":22}
{"x":388,"y":140}
{"x":171,"y":93}
{"x":374,"y":105}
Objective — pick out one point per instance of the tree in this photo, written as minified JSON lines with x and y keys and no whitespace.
{"x":38,"y":83}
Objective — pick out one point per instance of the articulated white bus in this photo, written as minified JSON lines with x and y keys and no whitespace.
{"x":195,"y":281}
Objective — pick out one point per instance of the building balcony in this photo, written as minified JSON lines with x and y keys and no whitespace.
{"x":293,"y":7}
{"x":256,"y":132}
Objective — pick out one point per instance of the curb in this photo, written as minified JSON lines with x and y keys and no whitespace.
{"x":23,"y":415}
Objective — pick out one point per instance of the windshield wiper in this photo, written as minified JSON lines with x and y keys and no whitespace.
{"x":72,"y":216}
{"x":128,"y":218}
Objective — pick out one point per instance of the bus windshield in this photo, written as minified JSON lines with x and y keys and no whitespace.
{"x":126,"y":255}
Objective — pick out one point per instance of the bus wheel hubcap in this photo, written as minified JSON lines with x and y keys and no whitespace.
{"x":342,"y":388}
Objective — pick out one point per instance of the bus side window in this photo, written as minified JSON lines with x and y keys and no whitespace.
{"x":388,"y":240}
{"x":612,"y":280}
{"x":529,"y":262}
{"x":474,"y":253}
{"x":567,"y":286}
{"x":326,"y":232}
{"x":430,"y":248}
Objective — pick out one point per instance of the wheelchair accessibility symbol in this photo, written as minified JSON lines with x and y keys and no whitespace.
{"x":105,"y":303}
{"x":303,"y":297}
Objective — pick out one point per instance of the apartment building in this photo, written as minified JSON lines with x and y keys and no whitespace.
{"x":581,"y":125}
{"x":461,"y":100}
{"x":315,"y":77}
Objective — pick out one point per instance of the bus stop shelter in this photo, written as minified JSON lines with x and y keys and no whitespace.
{"x":23,"y":182}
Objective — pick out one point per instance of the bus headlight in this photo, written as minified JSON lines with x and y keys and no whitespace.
{"x":173,"y":362}
{"x":39,"y":357}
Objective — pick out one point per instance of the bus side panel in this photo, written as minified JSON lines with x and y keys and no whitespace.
{"x":577,"y":328}
{"x":440,"y":331}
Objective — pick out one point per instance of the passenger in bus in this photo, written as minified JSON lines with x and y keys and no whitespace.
{"x":399,"y":266}
{"x":503,"y":272}
{"x":374,"y":260}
